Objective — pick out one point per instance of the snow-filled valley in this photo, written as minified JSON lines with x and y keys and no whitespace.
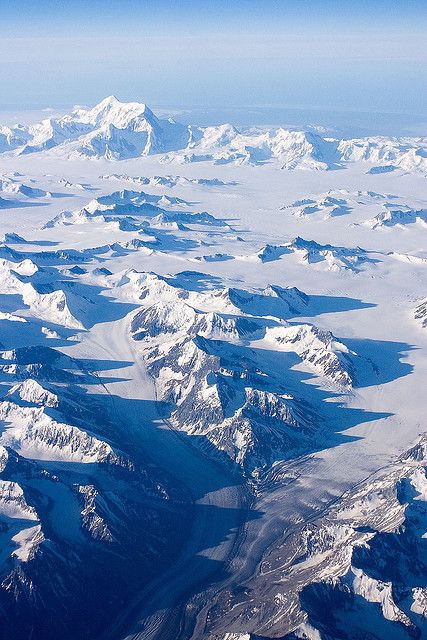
{"x":212,"y":371}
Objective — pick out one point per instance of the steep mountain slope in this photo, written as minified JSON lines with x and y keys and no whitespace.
{"x":111,"y":129}
{"x":198,"y":347}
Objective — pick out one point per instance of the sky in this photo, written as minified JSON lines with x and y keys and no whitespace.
{"x":342,"y":55}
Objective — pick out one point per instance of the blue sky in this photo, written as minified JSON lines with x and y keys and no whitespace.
{"x":327,"y":54}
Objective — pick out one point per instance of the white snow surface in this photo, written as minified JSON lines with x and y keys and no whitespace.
{"x":269,"y":286}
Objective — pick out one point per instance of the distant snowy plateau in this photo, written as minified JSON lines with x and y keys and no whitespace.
{"x":212,"y":381}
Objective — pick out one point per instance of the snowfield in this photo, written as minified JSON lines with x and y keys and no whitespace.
{"x":212,"y":362}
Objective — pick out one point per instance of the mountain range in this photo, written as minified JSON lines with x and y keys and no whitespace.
{"x":118,"y":130}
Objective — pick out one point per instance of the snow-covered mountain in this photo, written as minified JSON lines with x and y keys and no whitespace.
{"x":199,"y":347}
{"x":212,"y":365}
{"x":391,"y":216}
{"x":13,"y":137}
{"x":122,"y":130}
{"x":111,"y":129}
{"x":12,"y":185}
{"x":224,"y":144}
{"x":327,"y":256}
{"x":408,"y":154}
{"x":70,"y":499}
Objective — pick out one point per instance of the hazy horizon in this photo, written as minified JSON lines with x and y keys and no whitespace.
{"x":341,"y":122}
{"x":299,"y":55}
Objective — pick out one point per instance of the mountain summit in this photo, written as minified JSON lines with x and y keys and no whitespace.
{"x":111,"y":129}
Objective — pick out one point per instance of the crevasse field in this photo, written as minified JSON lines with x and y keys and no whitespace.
{"x":213,"y":381}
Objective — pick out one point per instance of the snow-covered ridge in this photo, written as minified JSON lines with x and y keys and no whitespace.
{"x":166,"y":181}
{"x":393,"y":211}
{"x":36,"y":429}
{"x":335,"y":202}
{"x":13,"y":503}
{"x":392,"y":215}
{"x":35,"y":434}
{"x":52,"y":303}
{"x":198,"y":347}
{"x":13,"y":186}
{"x":310,"y":252}
{"x":409,"y":154}
{"x":53,"y":440}
{"x":122,"y":130}
{"x":119,"y":203}
{"x":148,"y":222}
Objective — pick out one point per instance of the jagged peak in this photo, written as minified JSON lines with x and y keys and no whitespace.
{"x":109,"y":100}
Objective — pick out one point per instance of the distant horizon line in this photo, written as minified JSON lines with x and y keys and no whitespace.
{"x":204,"y":107}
